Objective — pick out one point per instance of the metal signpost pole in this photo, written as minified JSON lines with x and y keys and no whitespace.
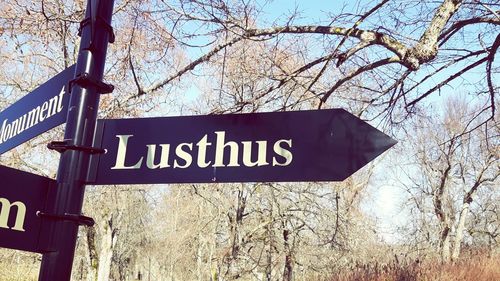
{"x":65,"y":217}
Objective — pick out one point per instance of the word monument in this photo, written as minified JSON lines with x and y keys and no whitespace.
{"x":37,"y":112}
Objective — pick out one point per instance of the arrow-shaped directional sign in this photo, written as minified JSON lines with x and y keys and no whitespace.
{"x":22,"y":196}
{"x":37,"y":112}
{"x":320,"y":145}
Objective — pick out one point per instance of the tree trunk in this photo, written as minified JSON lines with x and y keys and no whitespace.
{"x":199,"y":260}
{"x":445,"y":243}
{"x":174,"y":230}
{"x":459,"y":235}
{"x":236,"y":222}
{"x":269,"y":263}
{"x":93,"y":258}
{"x":106,"y":251}
{"x":288,"y":270}
{"x":439,"y":196}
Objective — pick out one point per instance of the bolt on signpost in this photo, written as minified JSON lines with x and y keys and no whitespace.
{"x":65,"y":216}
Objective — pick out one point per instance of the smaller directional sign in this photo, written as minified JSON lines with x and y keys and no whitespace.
{"x":37,"y":112}
{"x":318,"y":145}
{"x":22,"y":196}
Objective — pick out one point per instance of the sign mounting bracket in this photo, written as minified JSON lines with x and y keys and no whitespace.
{"x":61,"y":146}
{"x":79,"y":219}
{"x":85,"y":80}
{"x":101,"y":22}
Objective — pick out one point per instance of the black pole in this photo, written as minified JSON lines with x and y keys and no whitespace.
{"x":80,"y":125}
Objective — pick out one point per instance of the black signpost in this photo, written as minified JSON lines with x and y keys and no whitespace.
{"x":40,"y":215}
{"x":76,"y":147}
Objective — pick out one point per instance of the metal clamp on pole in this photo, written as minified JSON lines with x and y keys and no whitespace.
{"x":78,"y":219}
{"x":83,"y":23}
{"x":61,"y":146}
{"x":85,"y":80}
{"x":101,"y":22}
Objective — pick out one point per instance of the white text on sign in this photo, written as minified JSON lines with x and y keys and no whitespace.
{"x":184,"y":154}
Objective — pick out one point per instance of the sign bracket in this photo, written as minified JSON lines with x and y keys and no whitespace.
{"x":85,"y":80}
{"x":61,"y":146}
{"x":99,"y":21}
{"x":78,"y":219}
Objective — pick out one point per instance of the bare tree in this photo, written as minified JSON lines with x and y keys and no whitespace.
{"x":380,"y":50}
{"x":452,"y":166}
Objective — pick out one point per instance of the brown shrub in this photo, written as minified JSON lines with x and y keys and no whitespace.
{"x":473,"y":268}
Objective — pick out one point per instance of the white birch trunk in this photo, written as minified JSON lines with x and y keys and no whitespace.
{"x":445,"y":250}
{"x":199,"y":261}
{"x":170,"y":276}
{"x":459,"y":235}
{"x":105,"y":253}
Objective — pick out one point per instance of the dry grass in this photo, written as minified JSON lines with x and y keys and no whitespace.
{"x":477,"y":268}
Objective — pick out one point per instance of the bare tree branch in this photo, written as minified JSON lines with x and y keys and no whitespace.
{"x":446,"y":81}
{"x":327,"y":94}
{"x":491,"y":57}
